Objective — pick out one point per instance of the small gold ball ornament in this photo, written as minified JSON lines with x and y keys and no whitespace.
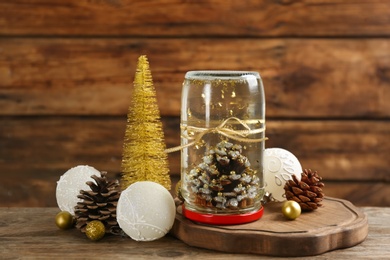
{"x":64,"y":220}
{"x":291,"y":209}
{"x":95,"y":230}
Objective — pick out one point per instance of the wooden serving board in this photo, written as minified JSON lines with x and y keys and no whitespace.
{"x":337,"y":224}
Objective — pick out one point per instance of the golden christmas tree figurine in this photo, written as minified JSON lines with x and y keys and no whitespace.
{"x":144,"y":157}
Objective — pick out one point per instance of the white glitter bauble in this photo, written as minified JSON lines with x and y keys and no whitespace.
{"x":146,"y":211}
{"x":279,"y":165}
{"x":70,"y":184}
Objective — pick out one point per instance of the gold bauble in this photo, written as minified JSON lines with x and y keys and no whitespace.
{"x":64,"y":220}
{"x":95,"y":230}
{"x":291,"y":209}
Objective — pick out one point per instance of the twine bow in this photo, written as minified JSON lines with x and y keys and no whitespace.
{"x":197,"y":133}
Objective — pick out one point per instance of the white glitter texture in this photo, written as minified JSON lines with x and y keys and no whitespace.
{"x":279,"y":165}
{"x":146,"y":211}
{"x":70,"y":184}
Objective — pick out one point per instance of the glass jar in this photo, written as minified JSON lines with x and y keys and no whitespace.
{"x":222,"y":140}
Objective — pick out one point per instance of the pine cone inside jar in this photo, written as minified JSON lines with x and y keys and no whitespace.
{"x":307,"y":192}
{"x":99,"y":203}
{"x":224,"y":180}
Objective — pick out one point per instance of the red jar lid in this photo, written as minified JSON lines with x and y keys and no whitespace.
{"x":218,"y":219}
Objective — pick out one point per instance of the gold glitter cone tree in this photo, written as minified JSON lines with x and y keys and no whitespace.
{"x":144,"y":157}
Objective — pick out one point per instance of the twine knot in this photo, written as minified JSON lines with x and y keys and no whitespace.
{"x":195,"y":134}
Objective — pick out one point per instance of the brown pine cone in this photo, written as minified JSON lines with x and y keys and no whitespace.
{"x":307,"y":192}
{"x":99,"y":203}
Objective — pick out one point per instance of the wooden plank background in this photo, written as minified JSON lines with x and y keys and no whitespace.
{"x":66,"y":72}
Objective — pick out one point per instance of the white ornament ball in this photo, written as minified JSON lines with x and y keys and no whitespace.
{"x":146,"y":211}
{"x":70,"y":184}
{"x":279,"y":166}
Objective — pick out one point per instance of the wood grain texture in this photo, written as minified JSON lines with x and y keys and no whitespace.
{"x":36,"y":151}
{"x":31,"y":233}
{"x":309,"y":78}
{"x":339,"y":150}
{"x":338,"y":224}
{"x":66,"y":72}
{"x":246,"y":18}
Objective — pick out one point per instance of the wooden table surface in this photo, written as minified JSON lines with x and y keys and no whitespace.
{"x":32,"y":233}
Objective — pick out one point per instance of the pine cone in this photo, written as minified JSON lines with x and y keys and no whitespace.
{"x":307,"y":192}
{"x":99,"y":203}
{"x":224,"y":180}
